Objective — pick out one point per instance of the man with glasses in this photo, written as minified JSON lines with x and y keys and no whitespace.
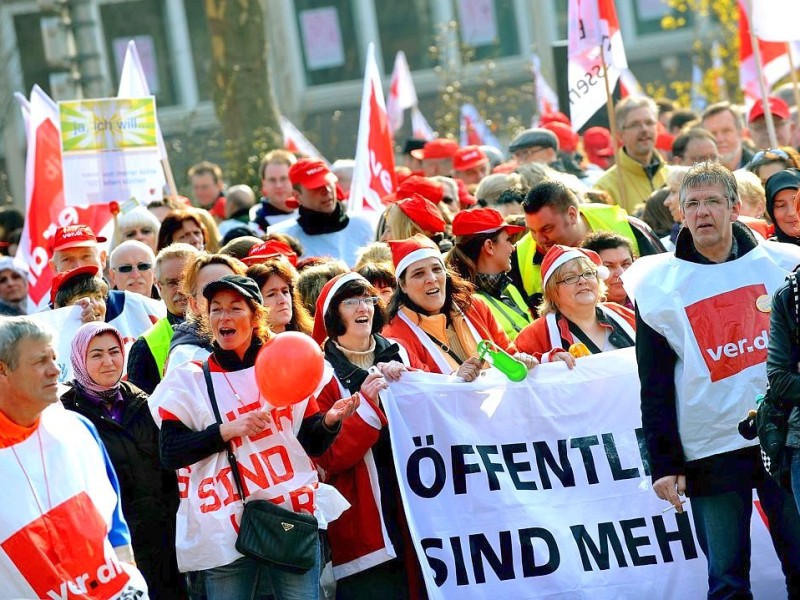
{"x":639,"y":168}
{"x":536,"y":145}
{"x":702,"y":323}
{"x":132,"y":268}
{"x":148,"y":355}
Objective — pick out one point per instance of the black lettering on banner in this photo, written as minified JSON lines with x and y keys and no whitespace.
{"x":561,"y":468}
{"x":683,"y":535}
{"x":584,"y":444}
{"x":461,"y":568}
{"x":608,"y":538}
{"x":503,"y":566}
{"x":529,"y":566}
{"x":491,"y":468}
{"x":413,"y":468}
{"x":632,"y":542}
{"x":461,"y":468}
{"x":617,"y":472}
{"x":515,"y":468}
{"x":439,"y":566}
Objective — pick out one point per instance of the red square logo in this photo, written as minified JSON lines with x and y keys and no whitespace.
{"x":731,"y":331}
{"x":61,"y":554}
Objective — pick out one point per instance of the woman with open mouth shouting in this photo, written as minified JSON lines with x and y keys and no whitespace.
{"x":272,"y":446}
{"x":434,"y":313}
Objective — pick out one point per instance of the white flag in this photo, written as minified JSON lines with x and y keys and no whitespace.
{"x":420,"y":129}
{"x":776,"y":20}
{"x":294,"y":141}
{"x":402,"y":94}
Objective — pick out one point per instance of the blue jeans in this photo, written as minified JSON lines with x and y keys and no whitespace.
{"x":246,"y":579}
{"x":722,"y":523}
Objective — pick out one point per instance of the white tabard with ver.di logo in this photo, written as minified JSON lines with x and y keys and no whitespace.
{"x":716,"y":319}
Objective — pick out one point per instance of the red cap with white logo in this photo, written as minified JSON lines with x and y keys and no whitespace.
{"x":75,"y":236}
{"x":311,"y":174}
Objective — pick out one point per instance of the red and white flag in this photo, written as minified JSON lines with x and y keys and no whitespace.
{"x":592,"y":24}
{"x":294,"y":141}
{"x":45,"y":210}
{"x":546,"y":97}
{"x":776,"y":20}
{"x":420,"y":128}
{"x":402,"y":94}
{"x":474,"y":129}
{"x":373,"y":175}
{"x":629,"y":85}
{"x":774,"y":59}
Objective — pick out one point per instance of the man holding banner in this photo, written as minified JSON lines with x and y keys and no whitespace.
{"x":700,"y":374}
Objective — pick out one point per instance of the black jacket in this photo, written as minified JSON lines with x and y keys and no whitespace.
{"x":142,"y":368}
{"x":149,"y":493}
{"x":783,"y":356}
{"x":728,"y":471}
{"x":189,"y":332}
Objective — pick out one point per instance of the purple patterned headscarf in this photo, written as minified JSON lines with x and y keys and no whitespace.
{"x":80,"y":346}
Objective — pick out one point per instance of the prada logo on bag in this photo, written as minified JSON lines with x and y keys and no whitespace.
{"x":287,"y":526}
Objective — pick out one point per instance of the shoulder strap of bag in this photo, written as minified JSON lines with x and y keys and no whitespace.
{"x":231,"y":456}
{"x":796,"y":300}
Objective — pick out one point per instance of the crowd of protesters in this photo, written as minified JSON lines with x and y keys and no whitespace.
{"x":566,"y":246}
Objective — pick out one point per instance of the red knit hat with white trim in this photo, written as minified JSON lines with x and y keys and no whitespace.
{"x":324,"y":301}
{"x":558,"y":255}
{"x":407,"y":252}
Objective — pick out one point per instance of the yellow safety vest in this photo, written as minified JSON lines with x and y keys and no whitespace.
{"x":157,"y":339}
{"x":599,"y":217}
{"x":512,"y":321}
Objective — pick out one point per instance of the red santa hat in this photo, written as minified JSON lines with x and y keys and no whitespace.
{"x":407,"y":252}
{"x":558,"y":255}
{"x":423,"y":212}
{"x":324,"y":301}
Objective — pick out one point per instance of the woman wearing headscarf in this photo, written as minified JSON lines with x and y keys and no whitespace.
{"x":370,"y":553}
{"x":435,"y":315}
{"x":781,"y":189}
{"x":574,"y":321}
{"x":272,"y":445}
{"x":120,"y":412}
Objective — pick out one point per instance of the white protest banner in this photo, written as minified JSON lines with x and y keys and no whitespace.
{"x":110,"y":150}
{"x":62,"y":323}
{"x":538,"y":489}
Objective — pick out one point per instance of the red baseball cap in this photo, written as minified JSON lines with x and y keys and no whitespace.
{"x":75,"y":236}
{"x":423,"y":212}
{"x":436,"y":149}
{"x":61,"y":278}
{"x":553,"y":117}
{"x":777,"y":107}
{"x":567,"y":138}
{"x":469,"y":157}
{"x":311,"y":174}
{"x":268,"y":250}
{"x":597,"y":142}
{"x":482,"y":220}
{"x":425,"y":187}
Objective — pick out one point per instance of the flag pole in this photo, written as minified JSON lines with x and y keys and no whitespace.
{"x":173,"y":189}
{"x":773,"y":140}
{"x":795,"y":87}
{"x":612,"y":126}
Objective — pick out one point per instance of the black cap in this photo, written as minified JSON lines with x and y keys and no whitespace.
{"x":413,"y":144}
{"x":788,"y":179}
{"x":534,"y":137}
{"x":238,"y":283}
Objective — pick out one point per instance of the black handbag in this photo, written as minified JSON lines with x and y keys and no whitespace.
{"x":269,"y":533}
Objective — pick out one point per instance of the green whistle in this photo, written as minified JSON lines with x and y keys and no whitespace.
{"x":502,"y":360}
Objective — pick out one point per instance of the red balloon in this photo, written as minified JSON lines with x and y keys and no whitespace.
{"x":289,"y":368}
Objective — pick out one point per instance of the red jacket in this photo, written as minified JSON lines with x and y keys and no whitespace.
{"x":535,"y":339}
{"x":479,"y":315}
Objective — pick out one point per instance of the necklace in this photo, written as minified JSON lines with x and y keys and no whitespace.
{"x":236,"y":394}
{"x":44,"y":470}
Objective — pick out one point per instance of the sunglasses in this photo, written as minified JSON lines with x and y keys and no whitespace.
{"x":129,"y":268}
{"x":353,"y":302}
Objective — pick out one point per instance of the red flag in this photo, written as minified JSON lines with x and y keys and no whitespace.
{"x":44,"y":199}
{"x":373,"y":175}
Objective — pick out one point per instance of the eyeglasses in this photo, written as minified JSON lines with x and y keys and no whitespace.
{"x":639,"y":125}
{"x":138,"y":267}
{"x":712,"y":204}
{"x":354,"y":302}
{"x":573,"y":279}
{"x":171,"y":283}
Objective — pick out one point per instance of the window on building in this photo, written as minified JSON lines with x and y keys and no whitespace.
{"x":407,"y":26}
{"x":328,"y":40}
{"x":200,"y":40}
{"x":34,"y":65}
{"x":144,"y":21}
{"x":487,"y":29}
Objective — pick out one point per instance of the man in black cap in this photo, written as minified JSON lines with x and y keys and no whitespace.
{"x":781,"y":189}
{"x":536,"y":145}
